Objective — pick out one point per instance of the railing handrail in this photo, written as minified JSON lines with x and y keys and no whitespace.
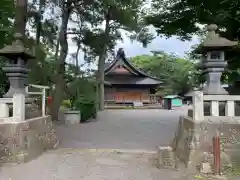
{"x":38,"y":86}
{"x":43,"y":93}
{"x":198,"y":105}
{"x":6,"y":100}
{"x":221,"y":97}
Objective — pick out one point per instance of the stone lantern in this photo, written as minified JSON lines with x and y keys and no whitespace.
{"x":213,"y":60}
{"x":15,"y":68}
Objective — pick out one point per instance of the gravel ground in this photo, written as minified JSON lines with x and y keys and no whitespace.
{"x":114,"y":129}
{"x":84,"y":165}
{"x":123,"y":129}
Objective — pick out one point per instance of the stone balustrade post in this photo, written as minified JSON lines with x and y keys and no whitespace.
{"x":198,"y":106}
{"x":4,"y":110}
{"x":18,"y":107}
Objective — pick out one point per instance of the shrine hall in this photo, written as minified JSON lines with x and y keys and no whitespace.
{"x":125,"y":83}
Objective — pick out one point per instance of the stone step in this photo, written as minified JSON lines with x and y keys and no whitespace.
{"x":166,"y":158}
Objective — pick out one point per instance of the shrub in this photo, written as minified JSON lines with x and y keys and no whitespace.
{"x":82,"y":95}
{"x":87,"y":108}
{"x":66,"y":103}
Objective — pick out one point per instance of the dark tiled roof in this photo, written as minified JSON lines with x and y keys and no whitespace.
{"x":133,"y":80}
{"x":143,"y":77}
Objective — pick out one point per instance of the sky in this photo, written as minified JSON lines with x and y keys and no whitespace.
{"x":168,"y":45}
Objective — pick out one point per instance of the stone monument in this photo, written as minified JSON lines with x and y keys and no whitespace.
{"x":213,"y":64}
{"x":193,"y":141}
{"x":16,"y":56}
{"x":213,"y":60}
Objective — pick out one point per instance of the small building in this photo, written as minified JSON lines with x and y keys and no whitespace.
{"x":188,"y":97}
{"x":172,"y":101}
{"x":126,"y":84}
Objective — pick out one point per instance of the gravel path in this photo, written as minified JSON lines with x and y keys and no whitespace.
{"x":114,"y":129}
{"x":124,"y":129}
{"x":83,"y":165}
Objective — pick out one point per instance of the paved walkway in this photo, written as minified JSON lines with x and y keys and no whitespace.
{"x":124,"y":129}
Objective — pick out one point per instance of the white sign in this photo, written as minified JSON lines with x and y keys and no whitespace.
{"x":137,"y":104}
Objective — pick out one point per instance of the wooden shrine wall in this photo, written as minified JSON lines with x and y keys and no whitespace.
{"x":122,"y":95}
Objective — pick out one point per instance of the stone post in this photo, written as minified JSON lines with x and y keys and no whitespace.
{"x":18,"y":107}
{"x":198,"y":110}
{"x":4,"y":110}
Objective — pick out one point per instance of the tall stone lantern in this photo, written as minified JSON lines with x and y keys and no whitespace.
{"x":16,"y":56}
{"x":213,"y":60}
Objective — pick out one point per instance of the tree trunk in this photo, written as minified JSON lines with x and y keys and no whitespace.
{"x":21,"y":17}
{"x":38,"y":29}
{"x":57,"y":50}
{"x":101,"y":65}
{"x":76,"y":61}
{"x":60,"y":69}
{"x":39,"y":24}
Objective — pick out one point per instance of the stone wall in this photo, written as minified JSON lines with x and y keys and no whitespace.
{"x":193,"y":141}
{"x":23,"y":141}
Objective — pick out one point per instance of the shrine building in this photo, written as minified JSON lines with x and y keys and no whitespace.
{"x":124,"y":83}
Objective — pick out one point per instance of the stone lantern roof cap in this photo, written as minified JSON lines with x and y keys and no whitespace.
{"x":16,"y":49}
{"x":214,"y":42}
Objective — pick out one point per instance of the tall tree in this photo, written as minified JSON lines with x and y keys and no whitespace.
{"x":186,"y":17}
{"x":168,"y":68}
{"x":116,"y":15}
{"x":182,"y":18}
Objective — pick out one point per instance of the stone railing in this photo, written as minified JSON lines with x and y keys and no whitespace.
{"x":23,"y":138}
{"x":42,"y":92}
{"x":18,"y":105}
{"x":215,"y":100}
{"x":193,"y":141}
{"x":18,"y":108}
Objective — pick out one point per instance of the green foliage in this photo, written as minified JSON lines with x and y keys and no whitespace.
{"x":87,"y":108}
{"x":185,"y":18}
{"x":42,"y":37}
{"x":180,"y":18}
{"x":6,"y":14}
{"x":4,"y":84}
{"x":80,"y":87}
{"x":82,"y":95}
{"x":232,"y":171}
{"x":121,"y":14}
{"x":66,"y":104}
{"x":178,"y":75}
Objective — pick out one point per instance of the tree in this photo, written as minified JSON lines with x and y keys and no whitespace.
{"x":186,"y":17}
{"x":6,"y":30}
{"x":49,"y":41}
{"x":177,"y":74}
{"x":7,"y":14}
{"x":182,"y":18}
{"x":117,"y":15}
